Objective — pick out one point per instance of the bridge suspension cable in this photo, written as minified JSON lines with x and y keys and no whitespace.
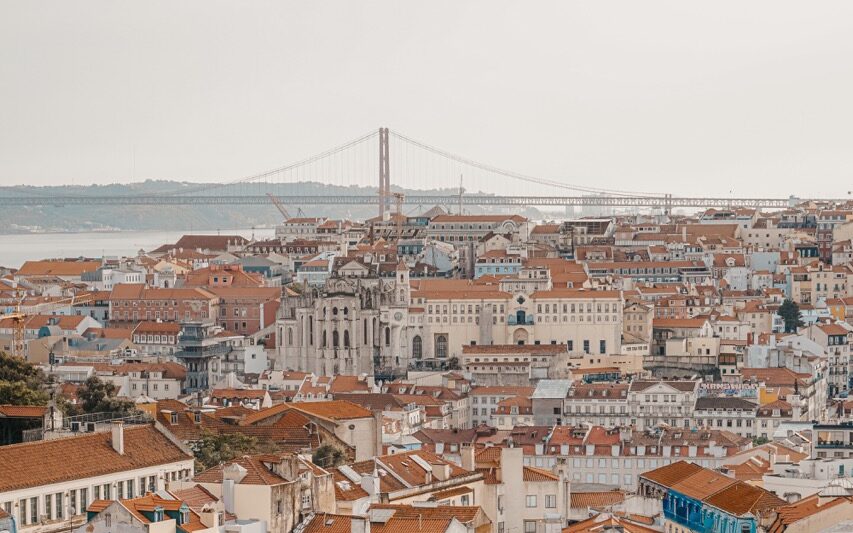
{"x":516,"y":175}
{"x":264,"y":175}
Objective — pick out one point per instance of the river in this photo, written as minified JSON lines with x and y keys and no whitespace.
{"x":15,"y":249}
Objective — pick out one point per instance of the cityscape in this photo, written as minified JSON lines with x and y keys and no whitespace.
{"x":396,"y":334}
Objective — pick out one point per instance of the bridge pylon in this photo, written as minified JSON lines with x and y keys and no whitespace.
{"x":384,"y":174}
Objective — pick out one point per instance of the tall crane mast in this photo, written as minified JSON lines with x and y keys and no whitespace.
{"x":20,"y":315}
{"x":278,"y":205}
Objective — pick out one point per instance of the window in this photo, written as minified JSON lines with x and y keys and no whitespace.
{"x":58,"y":501}
{"x":531,"y":500}
{"x":441,"y":346}
{"x":417,"y":347}
{"x":108,"y":520}
{"x":84,"y":499}
{"x":22,"y":510}
{"x":602,"y":346}
{"x":530,"y":526}
{"x":48,"y":506}
{"x":550,"y":501}
{"x":72,"y":501}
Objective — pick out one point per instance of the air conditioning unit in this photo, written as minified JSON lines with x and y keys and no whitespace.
{"x":90,"y":427}
{"x":75,"y":426}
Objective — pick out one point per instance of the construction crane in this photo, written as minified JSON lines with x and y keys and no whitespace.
{"x":20,"y":315}
{"x":280,"y":206}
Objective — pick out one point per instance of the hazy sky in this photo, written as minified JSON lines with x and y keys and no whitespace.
{"x":752,"y":97}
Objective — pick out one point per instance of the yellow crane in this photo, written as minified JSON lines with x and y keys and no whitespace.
{"x":20,"y":315}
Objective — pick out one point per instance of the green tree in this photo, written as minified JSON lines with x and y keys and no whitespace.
{"x":97,"y":396}
{"x":790,"y":313}
{"x":214,"y":449}
{"x":328,"y":456}
{"x":21,"y":382}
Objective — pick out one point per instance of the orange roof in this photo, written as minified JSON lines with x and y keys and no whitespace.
{"x":257,"y":471}
{"x":741,"y":498}
{"x":672,"y":473}
{"x":702,"y":484}
{"x":802,"y":509}
{"x":22,"y":411}
{"x":478,"y":218}
{"x":33,"y":464}
{"x":333,"y":409}
{"x":57,"y":268}
{"x":539,"y":474}
{"x":585,"y":500}
{"x":608,"y":522}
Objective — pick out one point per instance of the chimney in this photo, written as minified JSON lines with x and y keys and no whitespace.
{"x":359,"y":524}
{"x":370,"y":484}
{"x":468,"y":458}
{"x":117,"y":438}
{"x":210,"y":517}
{"x":440,"y":471}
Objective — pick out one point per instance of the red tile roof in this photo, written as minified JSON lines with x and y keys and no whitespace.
{"x":38,"y":463}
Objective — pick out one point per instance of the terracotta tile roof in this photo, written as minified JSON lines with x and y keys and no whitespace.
{"x":158,"y":327}
{"x":38,"y":463}
{"x":209,"y":242}
{"x":349,"y":384}
{"x":464,"y":513}
{"x":584,"y":500}
{"x":57,"y":268}
{"x":502,"y":391}
{"x":609,"y":522}
{"x":22,"y":411}
{"x":329,"y":523}
{"x":802,"y":509}
{"x":741,"y":498}
{"x":195,"y":497}
{"x":333,"y":410}
{"x":257,"y":472}
{"x":478,"y":218}
{"x":254,"y":394}
{"x":538,"y":474}
{"x":702,"y":484}
{"x":668,"y":475}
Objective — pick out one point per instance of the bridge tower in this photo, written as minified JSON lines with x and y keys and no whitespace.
{"x":384,"y":174}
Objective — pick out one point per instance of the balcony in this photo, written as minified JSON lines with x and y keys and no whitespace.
{"x":512,"y":320}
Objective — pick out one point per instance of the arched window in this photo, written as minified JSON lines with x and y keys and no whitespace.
{"x":387,"y":336}
{"x":290,"y":336}
{"x":417,"y":347}
{"x":335,"y":311}
{"x":441,"y":346}
{"x":335,"y":339}
{"x":346,"y":311}
{"x":346,"y":338}
{"x":324,"y":338}
{"x":364,"y":322}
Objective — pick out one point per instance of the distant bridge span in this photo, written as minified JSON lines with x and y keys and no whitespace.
{"x":665,"y":202}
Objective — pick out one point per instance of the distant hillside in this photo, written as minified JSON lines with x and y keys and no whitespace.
{"x":86,"y":218}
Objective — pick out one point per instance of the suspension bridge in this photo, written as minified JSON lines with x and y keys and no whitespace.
{"x":372,"y":160}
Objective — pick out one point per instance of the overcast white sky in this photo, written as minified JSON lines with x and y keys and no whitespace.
{"x":727,"y":97}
